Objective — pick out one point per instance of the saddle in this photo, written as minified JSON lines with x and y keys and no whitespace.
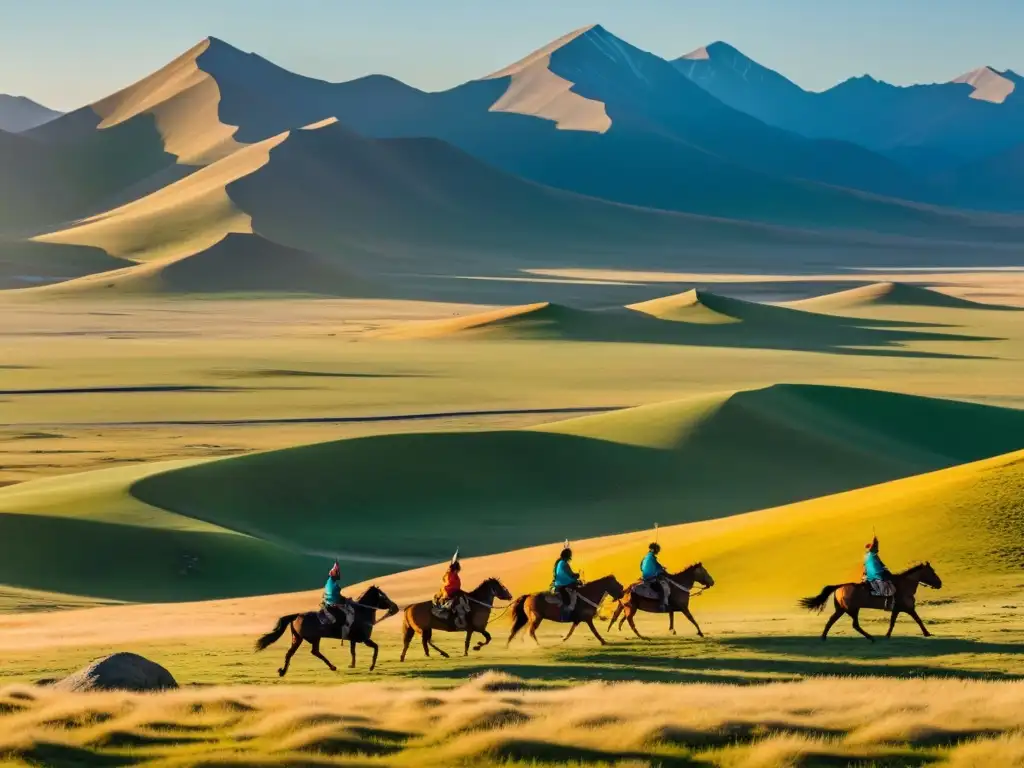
{"x":445,"y":609}
{"x":643,"y":589}
{"x":340,"y":617}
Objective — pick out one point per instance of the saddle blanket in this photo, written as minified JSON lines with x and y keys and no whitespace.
{"x":882,"y":588}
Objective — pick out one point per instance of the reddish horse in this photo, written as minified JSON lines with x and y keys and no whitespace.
{"x":679,"y":599}
{"x":307,"y":626}
{"x":420,"y":618}
{"x":533,"y":609}
{"x":851,"y":597}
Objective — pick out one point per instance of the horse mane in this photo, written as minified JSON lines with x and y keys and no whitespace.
{"x":913,"y":568}
{"x":691,"y":567}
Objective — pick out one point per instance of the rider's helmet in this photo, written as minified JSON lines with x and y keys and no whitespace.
{"x":335,"y":571}
{"x":655,"y":547}
{"x":566,"y":554}
{"x":455,"y":566}
{"x":872,"y":545}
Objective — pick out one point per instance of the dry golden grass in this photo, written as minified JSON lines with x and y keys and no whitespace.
{"x":497,"y":719}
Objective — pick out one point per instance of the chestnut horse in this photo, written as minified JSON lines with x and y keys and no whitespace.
{"x":533,"y":609}
{"x":307,"y":626}
{"x":420,"y":618}
{"x":679,"y":599}
{"x":850,"y":598}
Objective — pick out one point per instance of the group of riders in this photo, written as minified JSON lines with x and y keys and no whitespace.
{"x":452,"y":601}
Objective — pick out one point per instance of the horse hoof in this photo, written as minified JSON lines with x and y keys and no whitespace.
{"x":280,"y":673}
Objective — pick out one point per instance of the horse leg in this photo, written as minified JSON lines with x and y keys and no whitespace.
{"x":407,"y":637}
{"x":376,"y":650}
{"x":687,"y":614}
{"x":615,"y":615}
{"x":352,"y":644}
{"x":855,"y":615}
{"x":486,"y":641}
{"x":314,"y":646}
{"x":469,"y":636}
{"x":427,"y":635}
{"x":832,"y":620}
{"x":296,"y":642}
{"x":534,"y":623}
{"x":915,"y":617}
{"x":632,"y":624}
{"x":593,"y":629}
{"x":671,"y":621}
{"x":571,"y":630}
{"x":892,"y":621}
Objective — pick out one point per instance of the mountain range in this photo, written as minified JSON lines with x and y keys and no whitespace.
{"x":224,"y":171}
{"x":19,"y":113}
{"x":933,"y":127}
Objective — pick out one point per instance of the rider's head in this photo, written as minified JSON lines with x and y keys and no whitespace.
{"x":655,"y":547}
{"x":455,"y":566}
{"x":872,"y":546}
{"x":335,"y":571}
{"x":566,"y":554}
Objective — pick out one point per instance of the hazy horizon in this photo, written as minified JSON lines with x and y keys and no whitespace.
{"x":99,"y":48}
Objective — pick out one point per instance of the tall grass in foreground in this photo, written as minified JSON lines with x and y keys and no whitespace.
{"x":496,"y":719}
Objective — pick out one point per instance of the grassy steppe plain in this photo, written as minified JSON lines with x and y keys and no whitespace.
{"x":184,"y":381}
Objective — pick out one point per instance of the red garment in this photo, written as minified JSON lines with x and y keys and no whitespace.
{"x":451,"y":584}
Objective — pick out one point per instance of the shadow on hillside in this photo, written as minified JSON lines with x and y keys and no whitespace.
{"x":856,"y":647}
{"x":748,"y":326}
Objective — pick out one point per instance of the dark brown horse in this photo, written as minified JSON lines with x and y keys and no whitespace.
{"x":533,"y":609}
{"x":679,"y":599}
{"x":307,"y":626}
{"x":419,"y":617}
{"x":850,"y":598}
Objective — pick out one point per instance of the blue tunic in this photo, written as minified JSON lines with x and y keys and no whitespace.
{"x":874,"y":568}
{"x":564,"y":576}
{"x":332,"y":592}
{"x":650,"y":568}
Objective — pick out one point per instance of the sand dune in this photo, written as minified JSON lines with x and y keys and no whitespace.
{"x":18,"y":113}
{"x":238,"y":263}
{"x":988,"y":84}
{"x":688,"y":307}
{"x":535,"y":90}
{"x":890,"y":293}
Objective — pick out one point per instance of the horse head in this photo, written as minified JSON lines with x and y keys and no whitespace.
{"x":498,"y":590}
{"x":610,"y":585}
{"x":702,"y":577}
{"x":927,"y":576}
{"x":376,"y":598}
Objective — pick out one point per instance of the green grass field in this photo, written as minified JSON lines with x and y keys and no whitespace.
{"x":186,"y":450}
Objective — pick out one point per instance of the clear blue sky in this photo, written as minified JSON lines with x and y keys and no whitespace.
{"x":66,"y":53}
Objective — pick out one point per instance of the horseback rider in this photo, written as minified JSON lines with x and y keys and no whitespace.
{"x":654,"y":574}
{"x":876,"y":574}
{"x":566,"y":581}
{"x":451,"y":597}
{"x":335,"y":606}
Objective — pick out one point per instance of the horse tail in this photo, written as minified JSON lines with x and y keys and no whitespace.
{"x":275,"y":634}
{"x":818,"y":603}
{"x":519,"y":617}
{"x":618,"y":609}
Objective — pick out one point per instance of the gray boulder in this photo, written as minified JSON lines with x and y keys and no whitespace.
{"x":119,"y":672}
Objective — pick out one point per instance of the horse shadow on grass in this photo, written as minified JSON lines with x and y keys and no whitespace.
{"x":845,"y":657}
{"x":895,"y":647}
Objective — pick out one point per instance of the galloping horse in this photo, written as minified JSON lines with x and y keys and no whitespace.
{"x":679,"y":599}
{"x":420,"y":618}
{"x":533,"y":609}
{"x":851,"y":597}
{"x":307,"y":626}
